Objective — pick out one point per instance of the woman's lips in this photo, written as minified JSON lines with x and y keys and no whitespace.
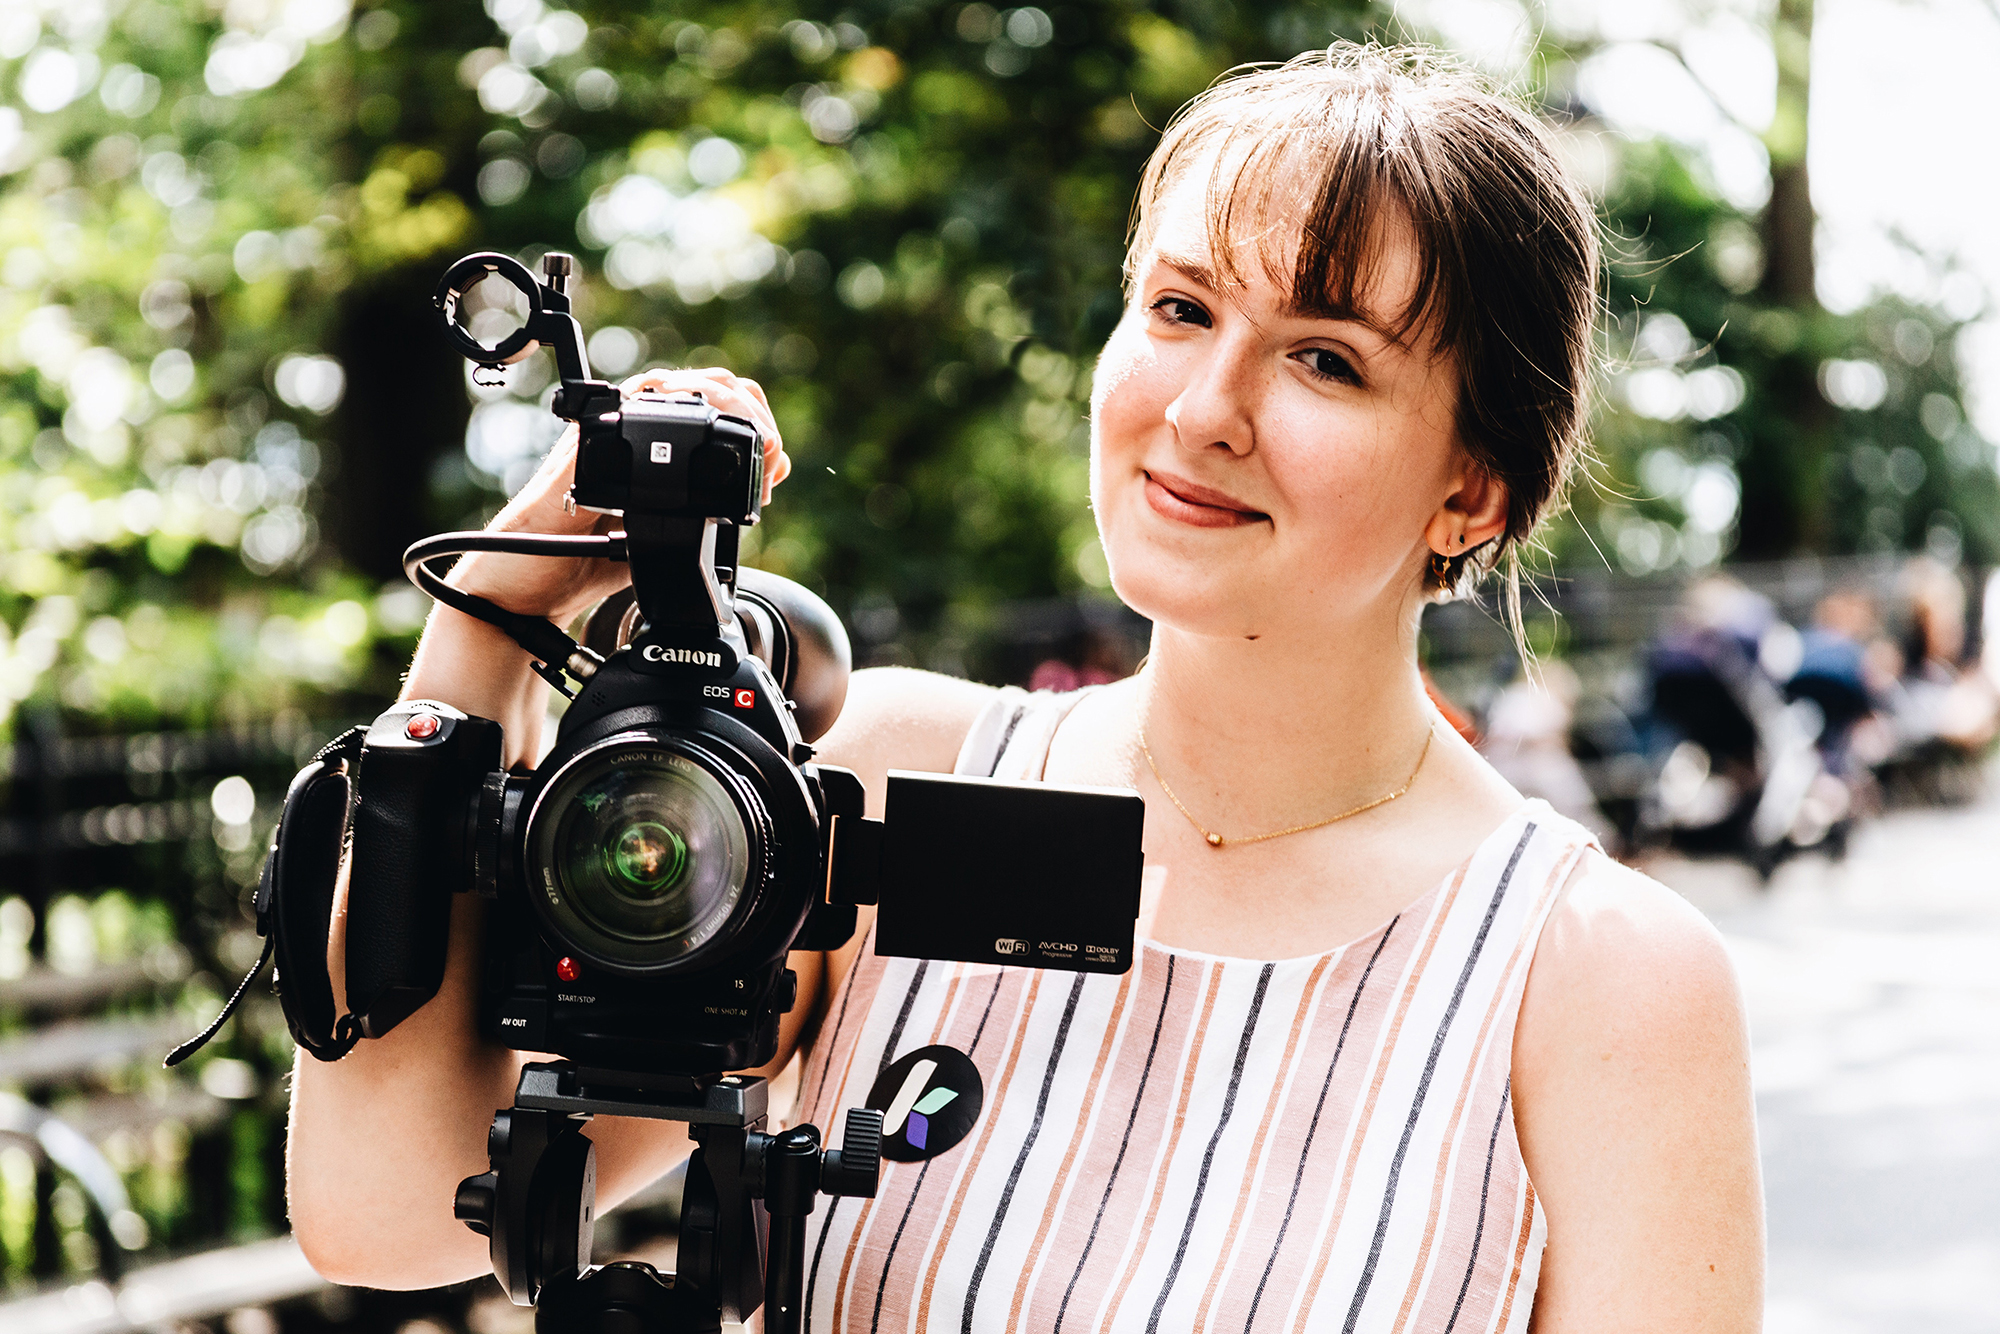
{"x":1186,"y":502}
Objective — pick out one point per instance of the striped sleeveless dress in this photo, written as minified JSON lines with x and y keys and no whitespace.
{"x":1313,"y":1144}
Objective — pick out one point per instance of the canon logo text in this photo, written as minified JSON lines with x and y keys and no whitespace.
{"x":660,"y":653}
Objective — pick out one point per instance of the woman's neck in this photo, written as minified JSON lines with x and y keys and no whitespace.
{"x":1258,"y":734}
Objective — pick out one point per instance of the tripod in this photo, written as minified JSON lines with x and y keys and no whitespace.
{"x":538,"y":1203}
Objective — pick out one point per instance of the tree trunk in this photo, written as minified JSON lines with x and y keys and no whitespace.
{"x":1791,"y":435}
{"x":404,"y":408}
{"x":1788,"y":218}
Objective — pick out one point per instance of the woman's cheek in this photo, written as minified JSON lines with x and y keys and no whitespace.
{"x":1114,"y":424}
{"x":1131,"y":351}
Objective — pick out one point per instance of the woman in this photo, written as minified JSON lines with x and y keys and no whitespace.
{"x":1401,"y":1051}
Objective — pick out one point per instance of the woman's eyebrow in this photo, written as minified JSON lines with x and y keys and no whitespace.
{"x":1193,"y":268}
{"x":1197,"y":270}
{"x":1324,"y":309}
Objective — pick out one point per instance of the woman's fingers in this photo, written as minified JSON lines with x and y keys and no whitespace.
{"x":726,"y":392}
{"x":777,"y":467}
{"x":561,"y":588}
{"x":539,"y":504}
{"x":777,"y":463}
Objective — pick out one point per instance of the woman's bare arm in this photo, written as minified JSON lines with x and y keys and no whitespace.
{"x":1633,"y":1106}
{"x":894,"y":718}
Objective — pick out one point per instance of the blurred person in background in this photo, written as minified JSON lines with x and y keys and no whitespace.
{"x":1944,"y":700}
{"x":1741,"y":767}
{"x":1421,"y":1056}
{"x":1527,"y":741}
{"x":1095,"y":658}
{"x":1711,"y":693}
{"x":1848,"y":669}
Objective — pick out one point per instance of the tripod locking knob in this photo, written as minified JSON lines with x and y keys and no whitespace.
{"x":475,"y":1202}
{"x":856,"y":1165}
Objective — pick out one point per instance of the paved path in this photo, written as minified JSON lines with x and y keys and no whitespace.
{"x":1874,"y":996}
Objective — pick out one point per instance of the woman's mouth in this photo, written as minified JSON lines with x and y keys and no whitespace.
{"x":1188,"y":502}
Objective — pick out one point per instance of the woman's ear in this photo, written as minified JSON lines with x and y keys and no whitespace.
{"x":1473,"y":514}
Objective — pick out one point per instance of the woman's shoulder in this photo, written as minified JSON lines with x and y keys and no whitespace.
{"x":1617,"y":932}
{"x":1630,"y":985}
{"x":900,"y":718}
{"x":1635,"y":1113}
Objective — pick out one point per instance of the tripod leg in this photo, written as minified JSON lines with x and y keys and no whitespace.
{"x":791,"y":1181}
{"x":784,"y":1285}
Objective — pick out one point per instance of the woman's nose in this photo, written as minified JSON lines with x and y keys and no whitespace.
{"x":1215,"y":405}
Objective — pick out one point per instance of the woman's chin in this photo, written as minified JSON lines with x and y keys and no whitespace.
{"x":1193,"y":603}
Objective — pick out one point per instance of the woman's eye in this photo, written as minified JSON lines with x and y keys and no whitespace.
{"x":1180,"y":310}
{"x":1329,"y":365}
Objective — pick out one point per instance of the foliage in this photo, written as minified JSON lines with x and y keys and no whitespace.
{"x":228,"y":409}
{"x":1740,"y":415}
{"x":1705,"y":452}
{"x":222,"y":223}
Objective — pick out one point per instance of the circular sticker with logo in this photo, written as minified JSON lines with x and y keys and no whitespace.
{"x":929,"y":1101}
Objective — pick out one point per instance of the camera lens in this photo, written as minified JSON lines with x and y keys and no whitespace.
{"x":643,"y":854}
{"x":648,"y":859}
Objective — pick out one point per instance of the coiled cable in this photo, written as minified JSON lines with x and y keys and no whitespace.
{"x":553,"y":651}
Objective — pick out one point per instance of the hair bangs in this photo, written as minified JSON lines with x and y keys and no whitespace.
{"x":1314,"y":189}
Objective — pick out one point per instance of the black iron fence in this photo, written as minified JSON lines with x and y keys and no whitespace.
{"x":126,"y":865}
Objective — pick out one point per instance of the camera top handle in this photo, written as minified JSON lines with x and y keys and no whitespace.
{"x":686,"y":478}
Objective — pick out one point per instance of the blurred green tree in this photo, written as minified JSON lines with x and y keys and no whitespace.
{"x":1741,"y":415}
{"x":228,"y":409}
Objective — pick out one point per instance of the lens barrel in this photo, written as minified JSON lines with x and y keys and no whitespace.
{"x":645,"y":849}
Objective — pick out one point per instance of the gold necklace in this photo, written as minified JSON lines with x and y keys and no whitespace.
{"x":1218,"y":841}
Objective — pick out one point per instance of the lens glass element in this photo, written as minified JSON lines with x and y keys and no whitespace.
{"x":648,"y":855}
{"x":648,"y":860}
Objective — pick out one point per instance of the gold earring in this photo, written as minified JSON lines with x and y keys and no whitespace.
{"x":1440,"y":568}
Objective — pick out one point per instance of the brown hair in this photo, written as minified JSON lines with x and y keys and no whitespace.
{"x":1359,"y":138}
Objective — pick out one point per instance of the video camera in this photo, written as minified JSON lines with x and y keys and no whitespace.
{"x":650,"y":875}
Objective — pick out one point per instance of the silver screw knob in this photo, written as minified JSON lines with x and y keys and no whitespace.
{"x":557,"y":267}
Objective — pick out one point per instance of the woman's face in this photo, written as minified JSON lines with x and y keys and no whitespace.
{"x":1255,"y":467}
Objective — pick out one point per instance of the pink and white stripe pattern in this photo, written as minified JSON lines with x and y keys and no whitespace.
{"x":1210,"y":1144}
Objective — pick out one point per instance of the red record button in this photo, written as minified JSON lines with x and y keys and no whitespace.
{"x":421,"y":727}
{"x":567,"y":970}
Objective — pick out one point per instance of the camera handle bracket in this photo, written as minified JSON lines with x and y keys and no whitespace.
{"x":688,"y":603}
{"x":537,"y":1204}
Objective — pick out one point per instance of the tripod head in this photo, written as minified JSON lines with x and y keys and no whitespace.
{"x":741,"y":1243}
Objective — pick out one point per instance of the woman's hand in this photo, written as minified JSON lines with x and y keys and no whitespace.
{"x":562,"y":589}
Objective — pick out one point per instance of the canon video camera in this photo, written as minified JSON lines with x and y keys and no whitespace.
{"x":650,"y":874}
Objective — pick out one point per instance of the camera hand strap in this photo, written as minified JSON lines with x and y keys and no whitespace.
{"x":295,"y":905}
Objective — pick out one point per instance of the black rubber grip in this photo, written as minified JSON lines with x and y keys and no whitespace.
{"x":417,"y":794}
{"x":856,"y":1166}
